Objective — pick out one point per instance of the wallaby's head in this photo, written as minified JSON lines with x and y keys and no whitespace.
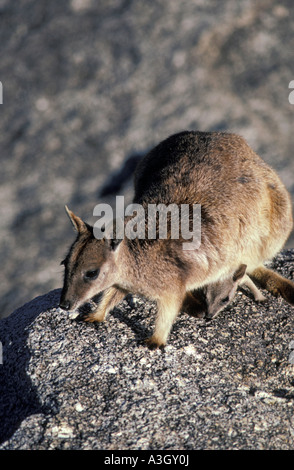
{"x":220,"y":294}
{"x":89,"y":266}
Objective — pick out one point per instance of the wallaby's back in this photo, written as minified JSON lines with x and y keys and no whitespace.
{"x":246,"y":213}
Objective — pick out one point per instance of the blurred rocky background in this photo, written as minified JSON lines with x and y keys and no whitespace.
{"x":88,"y":84}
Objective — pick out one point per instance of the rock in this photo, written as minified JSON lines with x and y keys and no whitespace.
{"x":227,"y":384}
{"x":88,"y":84}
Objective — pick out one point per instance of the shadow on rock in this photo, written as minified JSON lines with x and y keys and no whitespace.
{"x":18,"y":395}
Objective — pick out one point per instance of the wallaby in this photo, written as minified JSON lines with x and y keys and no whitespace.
{"x":210,"y":300}
{"x":246,"y":218}
{"x":219,"y":294}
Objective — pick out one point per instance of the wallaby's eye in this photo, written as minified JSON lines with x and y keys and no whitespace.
{"x":91,"y":275}
{"x":225,"y":300}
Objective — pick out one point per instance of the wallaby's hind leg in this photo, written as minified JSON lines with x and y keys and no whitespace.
{"x":274,"y":283}
{"x":109,"y":299}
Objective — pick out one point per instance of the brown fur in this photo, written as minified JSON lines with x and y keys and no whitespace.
{"x":245,"y":214}
{"x":274,"y":283}
{"x":213,"y":298}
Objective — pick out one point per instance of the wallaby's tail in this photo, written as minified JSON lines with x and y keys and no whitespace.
{"x":274,"y":283}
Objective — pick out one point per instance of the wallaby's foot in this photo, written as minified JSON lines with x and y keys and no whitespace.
{"x":260,"y":297}
{"x":105,"y":302}
{"x":94,"y":317}
{"x":153,"y":342}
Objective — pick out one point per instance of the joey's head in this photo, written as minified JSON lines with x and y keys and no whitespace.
{"x":89,"y":266}
{"x":220,"y":294}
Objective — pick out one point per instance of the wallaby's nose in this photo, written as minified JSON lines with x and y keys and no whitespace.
{"x":64,"y":304}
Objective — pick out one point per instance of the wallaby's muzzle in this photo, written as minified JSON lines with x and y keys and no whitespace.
{"x":64,"y":304}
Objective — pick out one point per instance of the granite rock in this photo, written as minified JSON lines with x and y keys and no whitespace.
{"x":226,"y":384}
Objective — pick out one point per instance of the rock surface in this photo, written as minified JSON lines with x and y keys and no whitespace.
{"x":86,"y":84}
{"x":228,"y":384}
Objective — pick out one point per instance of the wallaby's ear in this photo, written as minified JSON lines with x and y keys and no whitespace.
{"x":78,"y":224}
{"x":240,"y":272}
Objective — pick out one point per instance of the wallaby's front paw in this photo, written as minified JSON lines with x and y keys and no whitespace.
{"x":153,"y":342}
{"x":93,"y":317}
